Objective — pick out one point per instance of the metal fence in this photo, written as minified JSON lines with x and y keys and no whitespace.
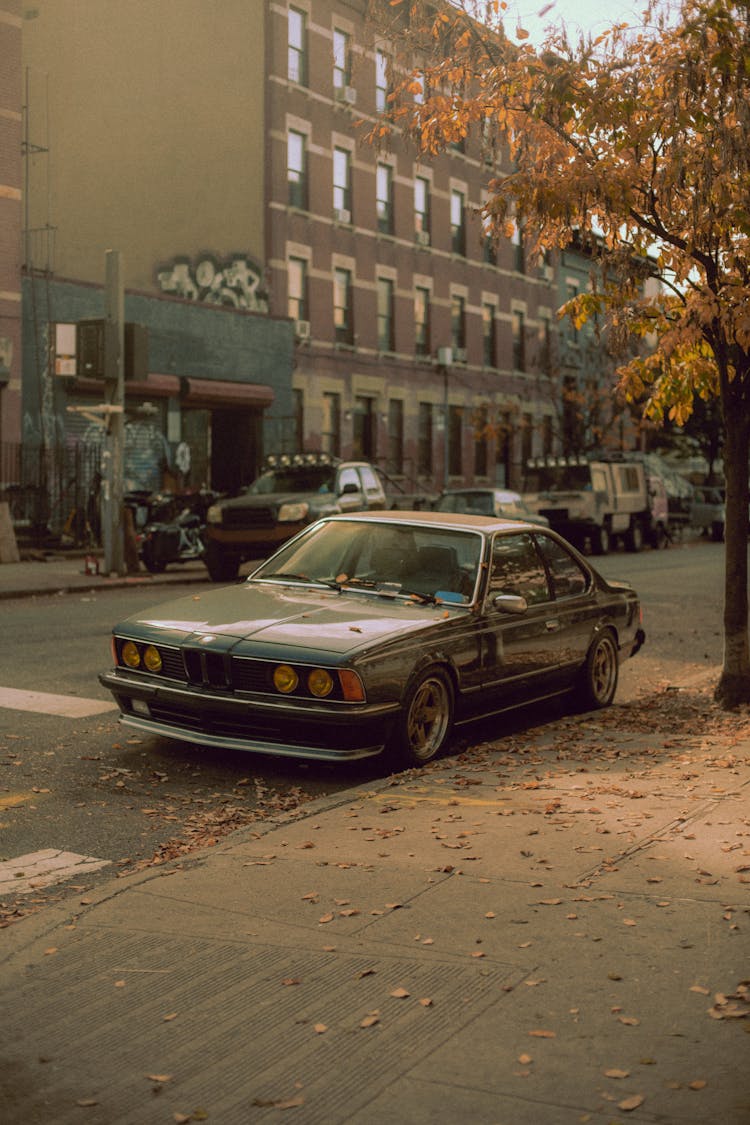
{"x":52,"y":492}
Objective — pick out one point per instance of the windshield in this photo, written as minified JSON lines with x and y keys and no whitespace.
{"x":382,"y":557}
{"x":558,"y":478}
{"x":306,"y":478}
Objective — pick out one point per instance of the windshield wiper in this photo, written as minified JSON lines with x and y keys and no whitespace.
{"x":304,"y":578}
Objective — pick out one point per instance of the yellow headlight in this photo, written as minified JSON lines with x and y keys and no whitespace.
{"x":285,"y":678}
{"x":320,"y":682}
{"x":130,"y":654}
{"x":152,"y":659}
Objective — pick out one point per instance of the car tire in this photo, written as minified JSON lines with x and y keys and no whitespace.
{"x":426,"y":719}
{"x":151,"y":563}
{"x":221,"y":567}
{"x":598,"y":679}
{"x":600,"y":541}
{"x":634,"y":537}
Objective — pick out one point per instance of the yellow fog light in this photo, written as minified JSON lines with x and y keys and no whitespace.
{"x":285,"y":678}
{"x":130,"y":654}
{"x":152,"y":659}
{"x":319,"y":682}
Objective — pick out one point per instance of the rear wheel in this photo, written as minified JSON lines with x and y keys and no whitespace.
{"x":221,"y":567}
{"x":426,"y":718}
{"x":152,"y":564}
{"x":598,"y":681}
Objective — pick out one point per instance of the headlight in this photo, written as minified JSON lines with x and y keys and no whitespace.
{"x":285,"y":679}
{"x":293,"y":513}
{"x":215,"y":514}
{"x":152,"y":659}
{"x":130,"y":654}
{"x":320,"y":682}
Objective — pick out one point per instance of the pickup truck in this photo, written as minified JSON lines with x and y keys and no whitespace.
{"x":291,"y":493}
{"x":594,"y":502}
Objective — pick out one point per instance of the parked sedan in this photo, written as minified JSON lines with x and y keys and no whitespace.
{"x":707,"y":512}
{"x":377,"y":632}
{"x":488,"y":502}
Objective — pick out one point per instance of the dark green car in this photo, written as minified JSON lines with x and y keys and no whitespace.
{"x":377,"y":632}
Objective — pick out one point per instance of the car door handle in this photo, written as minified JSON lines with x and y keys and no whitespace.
{"x":552,"y":626}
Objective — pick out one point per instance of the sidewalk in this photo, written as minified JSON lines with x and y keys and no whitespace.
{"x":66,"y":573}
{"x":549,"y":929}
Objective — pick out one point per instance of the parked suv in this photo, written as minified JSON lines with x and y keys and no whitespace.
{"x":292,"y":492}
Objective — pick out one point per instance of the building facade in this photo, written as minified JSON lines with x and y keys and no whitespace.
{"x":420,"y":345}
{"x":11,"y":218}
{"x":302,"y":289}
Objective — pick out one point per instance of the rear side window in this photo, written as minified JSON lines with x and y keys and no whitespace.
{"x":568,"y":577}
{"x":517,"y":569}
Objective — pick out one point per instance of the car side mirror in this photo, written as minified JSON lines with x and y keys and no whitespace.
{"x":510,"y":603}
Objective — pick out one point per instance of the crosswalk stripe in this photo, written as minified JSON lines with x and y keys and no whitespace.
{"x":45,"y":868}
{"x":45,"y":703}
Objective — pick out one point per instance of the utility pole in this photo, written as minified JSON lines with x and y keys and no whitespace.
{"x":113,"y":454}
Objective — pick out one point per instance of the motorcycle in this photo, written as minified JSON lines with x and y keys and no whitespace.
{"x":171,"y":529}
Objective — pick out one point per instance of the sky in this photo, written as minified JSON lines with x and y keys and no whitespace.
{"x":578,"y":15}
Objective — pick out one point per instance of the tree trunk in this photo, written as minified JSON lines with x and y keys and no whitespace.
{"x":733,"y":687}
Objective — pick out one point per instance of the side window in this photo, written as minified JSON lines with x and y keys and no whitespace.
{"x":517,"y":569}
{"x":568,"y":578}
{"x":348,"y":477}
{"x":370,"y":482}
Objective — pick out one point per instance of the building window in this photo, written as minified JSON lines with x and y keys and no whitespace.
{"x":458,"y":223}
{"x":458,"y":326}
{"x":384,"y":192}
{"x":297,"y":47}
{"x":422,"y":321}
{"x":503,"y":446}
{"x":343,"y":319}
{"x":298,"y":406}
{"x":381,"y":81}
{"x":364,"y":436}
{"x":395,"y":460}
{"x":422,"y":210}
{"x":519,"y":341}
{"x":489,"y":246}
{"x":527,"y":436}
{"x":571,"y":331}
{"x":545,"y":345}
{"x":424,"y":439}
{"x":519,"y":253}
{"x":547,"y":441}
{"x":342,"y":64}
{"x":297,"y":289}
{"x":480,"y":442}
{"x":342,"y":181}
{"x":455,"y":443}
{"x":330,"y":431}
{"x":296,"y":170}
{"x":386,"y":330}
{"x":488,"y":335}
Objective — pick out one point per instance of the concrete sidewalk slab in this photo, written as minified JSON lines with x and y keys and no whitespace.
{"x":483,"y":941}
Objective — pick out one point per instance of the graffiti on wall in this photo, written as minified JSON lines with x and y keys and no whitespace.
{"x":235,"y":281}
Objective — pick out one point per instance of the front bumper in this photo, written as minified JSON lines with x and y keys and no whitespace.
{"x":298,"y":729}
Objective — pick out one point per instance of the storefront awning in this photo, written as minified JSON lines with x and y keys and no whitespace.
{"x":207,"y":393}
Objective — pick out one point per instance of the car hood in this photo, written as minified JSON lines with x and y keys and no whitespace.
{"x":271,"y":499}
{"x":250,"y":616}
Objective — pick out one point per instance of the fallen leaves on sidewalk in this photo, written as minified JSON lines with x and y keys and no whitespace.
{"x":735,"y":1006}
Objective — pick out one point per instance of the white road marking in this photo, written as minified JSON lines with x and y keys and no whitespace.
{"x":44,"y":703}
{"x":29,"y":872}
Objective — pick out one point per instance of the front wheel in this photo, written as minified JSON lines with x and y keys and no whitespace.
{"x":426,"y":718}
{"x":598,"y":681}
{"x":600,"y":541}
{"x":634,"y":537}
{"x":221,"y":567}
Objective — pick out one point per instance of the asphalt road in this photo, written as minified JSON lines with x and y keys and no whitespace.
{"x":85,"y":785}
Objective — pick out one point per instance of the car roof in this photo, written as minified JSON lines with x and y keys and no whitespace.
{"x":501,"y":493}
{"x":443,"y":520}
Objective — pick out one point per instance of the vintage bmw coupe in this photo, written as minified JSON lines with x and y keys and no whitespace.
{"x":377,"y":632}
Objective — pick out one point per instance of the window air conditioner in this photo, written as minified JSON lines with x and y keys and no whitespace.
{"x":423,"y":238}
{"x":302,"y":329}
{"x":341,"y":215}
{"x":459,"y":355}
